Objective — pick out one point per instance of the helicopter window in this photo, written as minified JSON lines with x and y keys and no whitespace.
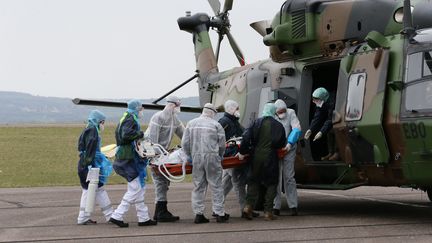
{"x":419,"y":96}
{"x":427,"y":64}
{"x":414,"y":66}
{"x":418,"y":93}
{"x":356,"y":90}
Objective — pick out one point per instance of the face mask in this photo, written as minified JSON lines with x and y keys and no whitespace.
{"x":319,"y":103}
{"x":237,"y":114}
{"x":177,"y":110}
{"x":140,"y":114}
{"x":281,"y":116}
{"x":101,"y":127}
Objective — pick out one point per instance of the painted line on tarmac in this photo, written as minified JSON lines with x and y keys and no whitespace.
{"x":367,"y":198}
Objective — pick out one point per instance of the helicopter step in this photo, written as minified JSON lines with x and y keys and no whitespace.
{"x":328,"y":175}
{"x":328,"y":163}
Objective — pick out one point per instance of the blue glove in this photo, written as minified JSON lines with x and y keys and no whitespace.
{"x":294,"y":136}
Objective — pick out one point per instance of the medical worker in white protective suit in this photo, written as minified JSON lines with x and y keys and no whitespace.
{"x":292,"y":127}
{"x":162,"y":127}
{"x":204,"y":142}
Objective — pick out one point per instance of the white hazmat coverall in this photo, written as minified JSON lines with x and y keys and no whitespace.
{"x":286,"y":165}
{"x":102,"y":200}
{"x":204,"y":142}
{"x":133,"y":196}
{"x":163,"y":125}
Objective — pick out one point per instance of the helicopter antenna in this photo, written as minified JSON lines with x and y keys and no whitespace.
{"x":221,"y":22}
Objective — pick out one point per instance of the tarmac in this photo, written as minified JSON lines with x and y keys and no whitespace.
{"x":364,"y":214}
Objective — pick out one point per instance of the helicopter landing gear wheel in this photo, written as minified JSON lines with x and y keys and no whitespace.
{"x":429,"y":193}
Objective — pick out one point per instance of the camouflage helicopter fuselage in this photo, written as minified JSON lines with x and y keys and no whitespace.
{"x":357,"y":49}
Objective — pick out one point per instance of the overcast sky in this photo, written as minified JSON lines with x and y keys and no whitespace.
{"x":113,"y":48}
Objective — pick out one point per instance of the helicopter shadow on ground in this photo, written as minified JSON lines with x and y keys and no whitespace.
{"x":383,"y":207}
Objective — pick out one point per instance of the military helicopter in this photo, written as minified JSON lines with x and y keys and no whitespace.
{"x":375,"y":56}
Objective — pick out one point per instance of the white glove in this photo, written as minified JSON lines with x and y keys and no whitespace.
{"x":288,"y":147}
{"x":317,"y":136}
{"x":240,"y":156}
{"x":307,"y":134}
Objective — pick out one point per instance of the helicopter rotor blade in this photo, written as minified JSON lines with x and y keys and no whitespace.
{"x":227,"y":5}
{"x":119,"y":104}
{"x":218,"y":47}
{"x":236,"y":48}
{"x":215,"y":5}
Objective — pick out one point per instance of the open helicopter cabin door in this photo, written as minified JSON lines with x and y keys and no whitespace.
{"x":357,"y":119}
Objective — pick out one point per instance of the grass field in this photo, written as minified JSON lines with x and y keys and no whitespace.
{"x":44,"y":155}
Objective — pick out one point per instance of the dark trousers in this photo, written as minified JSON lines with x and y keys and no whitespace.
{"x":253,"y":190}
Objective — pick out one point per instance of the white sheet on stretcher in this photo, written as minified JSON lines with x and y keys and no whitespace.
{"x":176,"y":157}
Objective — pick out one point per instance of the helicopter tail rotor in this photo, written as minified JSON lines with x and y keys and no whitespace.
{"x":221,"y":22}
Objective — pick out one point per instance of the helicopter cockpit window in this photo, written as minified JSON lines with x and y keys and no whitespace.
{"x":418,"y":93}
{"x":427,"y":64}
{"x":356,"y":90}
{"x":414,"y":66}
{"x":419,"y":66}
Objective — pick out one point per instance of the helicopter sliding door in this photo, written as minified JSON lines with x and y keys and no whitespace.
{"x":359,"y":108}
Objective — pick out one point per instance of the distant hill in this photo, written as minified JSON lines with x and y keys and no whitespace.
{"x":22,"y":108}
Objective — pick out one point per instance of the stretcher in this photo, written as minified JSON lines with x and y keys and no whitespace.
{"x":176,"y":168}
{"x":227,"y":163}
{"x":172,"y":165}
{"x":175,"y":165}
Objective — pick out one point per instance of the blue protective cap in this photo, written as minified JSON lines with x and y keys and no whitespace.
{"x":95,"y":117}
{"x":321,"y":93}
{"x":269,"y":110}
{"x":134,"y":106}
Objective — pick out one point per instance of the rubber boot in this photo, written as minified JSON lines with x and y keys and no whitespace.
{"x":222,"y":219}
{"x":156,"y":212}
{"x":119,"y":223}
{"x":200,"y":219}
{"x":276,"y":211}
{"x":162,"y":214}
{"x":294,"y":211}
